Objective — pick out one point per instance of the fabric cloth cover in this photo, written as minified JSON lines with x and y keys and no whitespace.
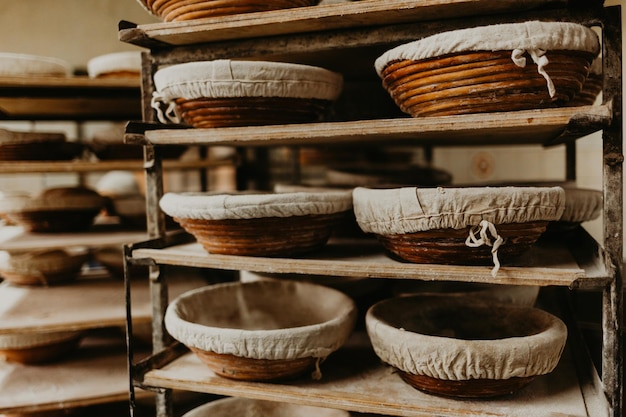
{"x":209,"y":206}
{"x":117,"y":61}
{"x":263,"y":319}
{"x":450,"y":358}
{"x":581,"y":205}
{"x":411,"y":209}
{"x":21,"y":65}
{"x":225,"y":78}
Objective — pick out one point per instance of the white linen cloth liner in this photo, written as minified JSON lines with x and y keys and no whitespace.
{"x":224,"y":78}
{"x":20,"y":65}
{"x":533,"y":37}
{"x":410,"y":209}
{"x":117,"y":61}
{"x":448,"y":358}
{"x":184,"y":315}
{"x":581,"y":205}
{"x":34,"y":339}
{"x":209,"y":206}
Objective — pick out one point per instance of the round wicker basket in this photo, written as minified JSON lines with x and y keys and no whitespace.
{"x":475,"y":82}
{"x":177,"y":10}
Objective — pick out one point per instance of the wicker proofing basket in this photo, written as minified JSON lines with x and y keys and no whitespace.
{"x":447,"y":246}
{"x":271,"y":236}
{"x":464,"y":348}
{"x":176,"y":10}
{"x":475,"y":82}
{"x":263,"y":330}
{"x":249,"y":111}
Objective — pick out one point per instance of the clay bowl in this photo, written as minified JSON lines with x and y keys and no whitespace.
{"x":259,"y":224}
{"x":264,"y":330}
{"x":43,"y":267}
{"x":36,"y":348}
{"x":458,"y":347}
{"x":245,"y":407}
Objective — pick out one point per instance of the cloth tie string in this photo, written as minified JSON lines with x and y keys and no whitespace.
{"x":484,"y":229}
{"x":539,"y":57}
{"x":171,"y":112}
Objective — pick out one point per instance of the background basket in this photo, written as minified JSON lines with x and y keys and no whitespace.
{"x":174,"y":10}
{"x":475,"y":82}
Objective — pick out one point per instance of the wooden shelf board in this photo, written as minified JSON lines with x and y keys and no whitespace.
{"x":316,"y":18}
{"x":545,"y":264}
{"x":87,"y":303}
{"x":21,"y":167}
{"x":521,"y":127}
{"x":95,"y":374}
{"x":354,"y":379}
{"x":69,"y":98}
{"x":14,"y":238}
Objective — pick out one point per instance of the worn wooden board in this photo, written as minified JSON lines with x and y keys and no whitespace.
{"x":542,"y":265}
{"x":96,"y":374}
{"x":18,"y":167}
{"x":521,"y":127}
{"x":317,"y":18}
{"x":69,"y":98}
{"x":354,"y":379}
{"x":87,"y":303}
{"x":15,"y":238}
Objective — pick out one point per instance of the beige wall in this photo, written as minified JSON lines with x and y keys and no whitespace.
{"x":73,"y":30}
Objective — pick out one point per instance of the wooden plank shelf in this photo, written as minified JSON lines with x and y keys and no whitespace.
{"x":13,"y":238}
{"x":69,"y":98}
{"x":354,"y":379}
{"x":87,"y":303}
{"x":316,"y":18}
{"x":547,"y":263}
{"x":95,"y":374}
{"x":544,"y":126}
{"x":23,"y":167}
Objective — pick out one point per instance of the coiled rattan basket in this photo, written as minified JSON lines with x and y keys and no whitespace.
{"x":482,"y":82}
{"x":175,"y":10}
{"x":506,"y":67}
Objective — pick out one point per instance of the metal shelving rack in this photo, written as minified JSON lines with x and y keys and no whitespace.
{"x":357,"y":32}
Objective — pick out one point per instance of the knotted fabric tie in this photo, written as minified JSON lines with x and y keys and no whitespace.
{"x":483,"y":229}
{"x":170,"y":114}
{"x":539,"y":57}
